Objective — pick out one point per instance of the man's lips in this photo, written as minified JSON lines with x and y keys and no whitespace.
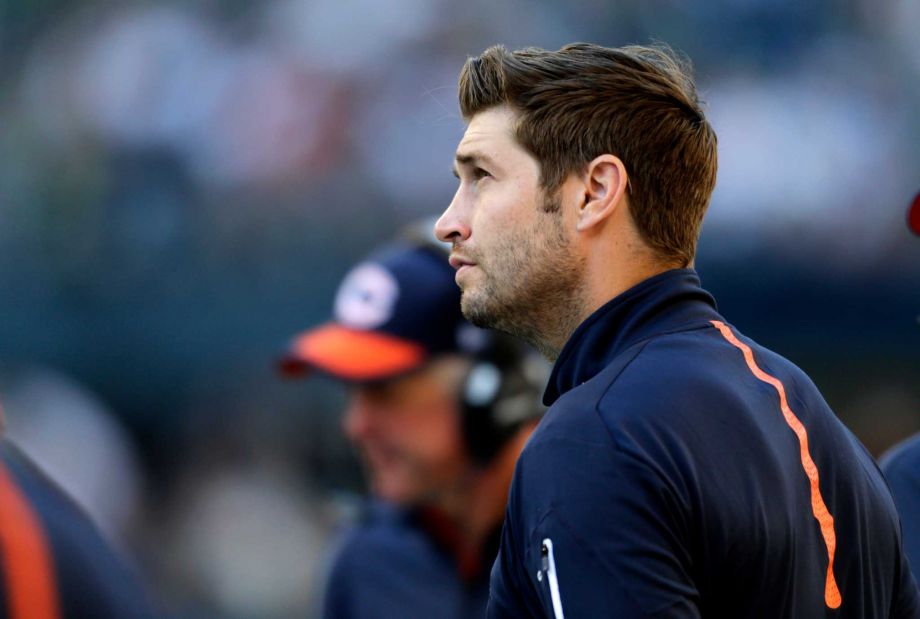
{"x":458,"y":262}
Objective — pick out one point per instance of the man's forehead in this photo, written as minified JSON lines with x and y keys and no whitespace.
{"x":487,"y":130}
{"x":489,"y":136}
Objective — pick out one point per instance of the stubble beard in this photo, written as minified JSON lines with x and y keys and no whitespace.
{"x":532,"y":288}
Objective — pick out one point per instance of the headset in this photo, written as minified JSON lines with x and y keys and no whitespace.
{"x":503,"y":389}
{"x":501,"y":393}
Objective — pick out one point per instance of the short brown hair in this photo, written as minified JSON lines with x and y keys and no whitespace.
{"x":637,"y":102}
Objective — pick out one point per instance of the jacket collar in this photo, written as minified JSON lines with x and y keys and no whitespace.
{"x":663,"y":303}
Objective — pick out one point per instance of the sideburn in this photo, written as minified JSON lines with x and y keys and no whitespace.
{"x":552,"y":202}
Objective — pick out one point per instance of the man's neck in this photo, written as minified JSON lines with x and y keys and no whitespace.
{"x":550,"y":339}
{"x":615,"y":258}
{"x":476,"y":510}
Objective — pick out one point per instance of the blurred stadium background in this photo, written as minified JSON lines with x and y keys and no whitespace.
{"x":183,"y":183}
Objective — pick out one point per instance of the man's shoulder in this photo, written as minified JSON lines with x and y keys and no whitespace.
{"x":591,"y":429}
{"x":378,"y":554}
{"x":90,"y":574}
{"x":650,"y":382}
{"x":67,"y":525}
{"x":698,"y":375}
{"x":673,"y":392}
{"x":376,"y":527}
{"x":382,"y":536}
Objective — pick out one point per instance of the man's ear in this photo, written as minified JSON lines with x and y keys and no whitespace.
{"x":605,"y":183}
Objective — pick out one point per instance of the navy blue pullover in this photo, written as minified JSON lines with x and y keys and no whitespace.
{"x":395,"y":565}
{"x":54,"y":563}
{"x":901,"y":465}
{"x":684,"y":471}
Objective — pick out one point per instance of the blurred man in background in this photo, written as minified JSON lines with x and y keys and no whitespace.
{"x":439,"y":411}
{"x":54,"y":563}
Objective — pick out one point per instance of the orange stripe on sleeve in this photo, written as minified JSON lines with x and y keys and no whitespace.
{"x":28,"y":568}
{"x":831,"y":593}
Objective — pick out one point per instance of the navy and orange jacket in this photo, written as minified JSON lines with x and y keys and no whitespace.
{"x":684,"y":471}
{"x":54,"y":564}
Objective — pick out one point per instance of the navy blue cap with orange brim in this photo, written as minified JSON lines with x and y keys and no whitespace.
{"x":351,"y":354}
{"x":392,"y":313}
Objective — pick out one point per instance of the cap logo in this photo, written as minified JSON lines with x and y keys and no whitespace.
{"x":367,"y":296}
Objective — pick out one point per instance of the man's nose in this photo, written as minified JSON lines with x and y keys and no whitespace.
{"x":453,"y":225}
{"x":357,"y":421}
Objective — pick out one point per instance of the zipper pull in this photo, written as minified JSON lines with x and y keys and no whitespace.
{"x":549,"y":566}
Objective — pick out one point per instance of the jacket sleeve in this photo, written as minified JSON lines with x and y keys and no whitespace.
{"x":506,"y":599}
{"x":592,"y":532}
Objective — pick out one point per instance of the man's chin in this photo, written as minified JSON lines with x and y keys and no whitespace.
{"x":396,"y":491}
{"x":476,"y":311}
{"x":397,"y":496}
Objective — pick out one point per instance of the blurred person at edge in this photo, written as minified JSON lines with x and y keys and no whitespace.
{"x":439,"y":411}
{"x":901,"y":464}
{"x":54,"y":562}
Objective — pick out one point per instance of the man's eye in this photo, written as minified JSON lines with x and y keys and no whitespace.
{"x":479,"y":173}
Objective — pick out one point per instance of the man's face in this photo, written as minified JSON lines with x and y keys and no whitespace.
{"x":516,"y":263}
{"x":408,"y":433}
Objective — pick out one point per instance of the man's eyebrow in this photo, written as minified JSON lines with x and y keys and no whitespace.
{"x":473,"y":159}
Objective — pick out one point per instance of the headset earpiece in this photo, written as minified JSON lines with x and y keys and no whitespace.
{"x":501,"y":392}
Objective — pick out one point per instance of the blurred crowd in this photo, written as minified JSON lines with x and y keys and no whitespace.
{"x":183,"y":184}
